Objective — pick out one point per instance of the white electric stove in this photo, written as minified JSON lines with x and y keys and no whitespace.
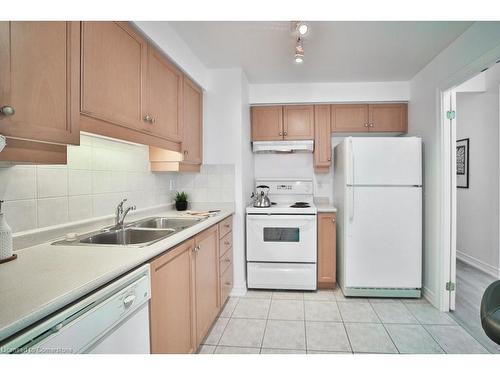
{"x":281,"y":239}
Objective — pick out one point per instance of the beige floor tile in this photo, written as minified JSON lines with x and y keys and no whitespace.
{"x":322,"y":311}
{"x":455,"y":340}
{"x":427,"y":314}
{"x":320,"y":295}
{"x":206,"y":349}
{"x":394,"y":312}
{"x":281,"y":351}
{"x":357,"y":312}
{"x":328,"y":336}
{"x":369,"y":338}
{"x":261,"y":294}
{"x":215,"y":333}
{"x":228,"y":309}
{"x":281,"y":334}
{"x":286,"y":310}
{"x":288,"y":295}
{"x":244,"y":333}
{"x":412,"y":339}
{"x":252,"y":308}
{"x":236,"y":350}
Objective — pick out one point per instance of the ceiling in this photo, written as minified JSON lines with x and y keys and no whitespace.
{"x":336,"y":51}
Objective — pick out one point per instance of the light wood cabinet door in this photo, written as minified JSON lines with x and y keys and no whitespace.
{"x":207,"y":280}
{"x":327,"y":247}
{"x":298,"y":122}
{"x":322,"y":138}
{"x":172,"y":301}
{"x":39,"y":80}
{"x":349,"y":118}
{"x":192,"y":144}
{"x":114,"y":68}
{"x":164,"y":98}
{"x":267,"y":123}
{"x":388,"y":117}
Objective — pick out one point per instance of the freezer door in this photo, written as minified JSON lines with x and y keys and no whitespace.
{"x":383,"y":246}
{"x":384,"y":161}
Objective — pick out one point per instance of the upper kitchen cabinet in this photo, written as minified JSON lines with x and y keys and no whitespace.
{"x":388,"y":117}
{"x":267,"y":123}
{"x":349,"y":118}
{"x":298,"y":122}
{"x":322,"y":139}
{"x":114,"y":72}
{"x":383,"y":117}
{"x":277,"y":123}
{"x":164,"y":98}
{"x":39,"y":81}
{"x":192,"y":143}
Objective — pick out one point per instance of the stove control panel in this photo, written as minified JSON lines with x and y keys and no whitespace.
{"x":288,"y":186}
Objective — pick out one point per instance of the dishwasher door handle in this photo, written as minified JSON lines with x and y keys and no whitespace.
{"x":129,"y":301}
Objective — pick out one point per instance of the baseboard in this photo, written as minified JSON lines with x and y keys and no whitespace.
{"x":430,"y":296}
{"x":238,"y":291}
{"x":479,"y":264}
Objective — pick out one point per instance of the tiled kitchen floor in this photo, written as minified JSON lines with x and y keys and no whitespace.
{"x":268,"y":322}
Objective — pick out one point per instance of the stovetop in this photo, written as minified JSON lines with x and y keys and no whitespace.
{"x":283,"y":208}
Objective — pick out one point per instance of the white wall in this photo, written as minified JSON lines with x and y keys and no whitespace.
{"x":478,"y":206}
{"x":424,"y":121}
{"x":99,"y":174}
{"x":226,"y":140}
{"x":329,"y":92}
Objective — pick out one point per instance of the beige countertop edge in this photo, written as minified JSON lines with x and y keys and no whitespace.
{"x":325,"y":208}
{"x":46,"y":278}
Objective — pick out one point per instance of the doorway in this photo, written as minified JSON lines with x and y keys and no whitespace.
{"x":474,"y":199}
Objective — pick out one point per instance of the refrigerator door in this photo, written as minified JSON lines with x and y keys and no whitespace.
{"x":383,"y":244}
{"x":393,"y":161}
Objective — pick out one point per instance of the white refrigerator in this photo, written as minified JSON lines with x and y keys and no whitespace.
{"x":378,"y":194}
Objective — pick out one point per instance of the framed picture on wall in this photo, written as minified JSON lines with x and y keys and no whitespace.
{"x":463,"y":163}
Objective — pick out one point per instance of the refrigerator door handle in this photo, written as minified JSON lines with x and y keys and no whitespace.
{"x":351,"y":204}
{"x":351,"y":208}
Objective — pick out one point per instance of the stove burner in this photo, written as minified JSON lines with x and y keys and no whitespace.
{"x":300,"y":205}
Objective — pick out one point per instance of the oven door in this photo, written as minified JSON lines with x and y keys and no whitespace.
{"x":281,"y":238}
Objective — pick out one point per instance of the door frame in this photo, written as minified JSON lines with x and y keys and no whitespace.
{"x":447,"y":132}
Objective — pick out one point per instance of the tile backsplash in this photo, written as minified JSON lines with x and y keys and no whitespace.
{"x":100,"y":172}
{"x":214,"y":183}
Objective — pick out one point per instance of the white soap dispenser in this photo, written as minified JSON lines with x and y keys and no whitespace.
{"x":5,"y":239}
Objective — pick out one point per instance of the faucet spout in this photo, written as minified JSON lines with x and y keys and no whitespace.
{"x":121,"y":213}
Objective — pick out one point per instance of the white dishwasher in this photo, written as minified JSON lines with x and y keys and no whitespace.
{"x":112,"y":320}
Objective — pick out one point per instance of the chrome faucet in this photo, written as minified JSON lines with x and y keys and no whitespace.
{"x":120,"y":213}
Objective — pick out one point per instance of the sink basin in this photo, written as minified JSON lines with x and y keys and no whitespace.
{"x":176,"y":224}
{"x":127,"y":236}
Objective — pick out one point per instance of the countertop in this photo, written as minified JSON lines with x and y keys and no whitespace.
{"x":325,"y":207}
{"x":46,"y":278}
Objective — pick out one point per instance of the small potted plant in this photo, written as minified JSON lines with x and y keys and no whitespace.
{"x":181,"y":201}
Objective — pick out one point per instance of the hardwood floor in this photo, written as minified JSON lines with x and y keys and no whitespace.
{"x":471,"y":284}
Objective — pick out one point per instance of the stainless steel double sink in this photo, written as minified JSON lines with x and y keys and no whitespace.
{"x":141,"y":233}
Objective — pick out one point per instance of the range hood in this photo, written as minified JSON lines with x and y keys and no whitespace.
{"x":285,"y":147}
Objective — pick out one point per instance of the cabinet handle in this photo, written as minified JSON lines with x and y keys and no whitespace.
{"x":185,"y":152}
{"x":7,"y":110}
{"x":226,"y":225}
{"x":148,"y":118}
{"x":226,"y":242}
{"x":227,"y":283}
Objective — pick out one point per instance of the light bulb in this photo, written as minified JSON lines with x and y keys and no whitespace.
{"x":303,"y":28}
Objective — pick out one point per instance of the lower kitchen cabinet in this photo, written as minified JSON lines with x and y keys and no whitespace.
{"x":172,"y":312}
{"x":189,"y":284}
{"x":327,"y":246}
{"x":226,"y":259}
{"x":206,"y":262}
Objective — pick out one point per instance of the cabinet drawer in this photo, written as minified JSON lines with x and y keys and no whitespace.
{"x":225,"y":261}
{"x":226,"y":284}
{"x":225,"y":226}
{"x":226,"y":243}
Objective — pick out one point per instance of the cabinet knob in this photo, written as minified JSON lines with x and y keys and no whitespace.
{"x":7,"y":110}
{"x":329,"y":158}
{"x":226,"y":242}
{"x":196,"y":249}
{"x":226,"y":225}
{"x":148,"y":118}
{"x":185,"y":152}
{"x":227,"y":260}
{"x":285,"y":133}
{"x":333,"y":220}
{"x":281,"y":133}
{"x":228,"y":283}
{"x":366,"y":125}
{"x":370,"y":125}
